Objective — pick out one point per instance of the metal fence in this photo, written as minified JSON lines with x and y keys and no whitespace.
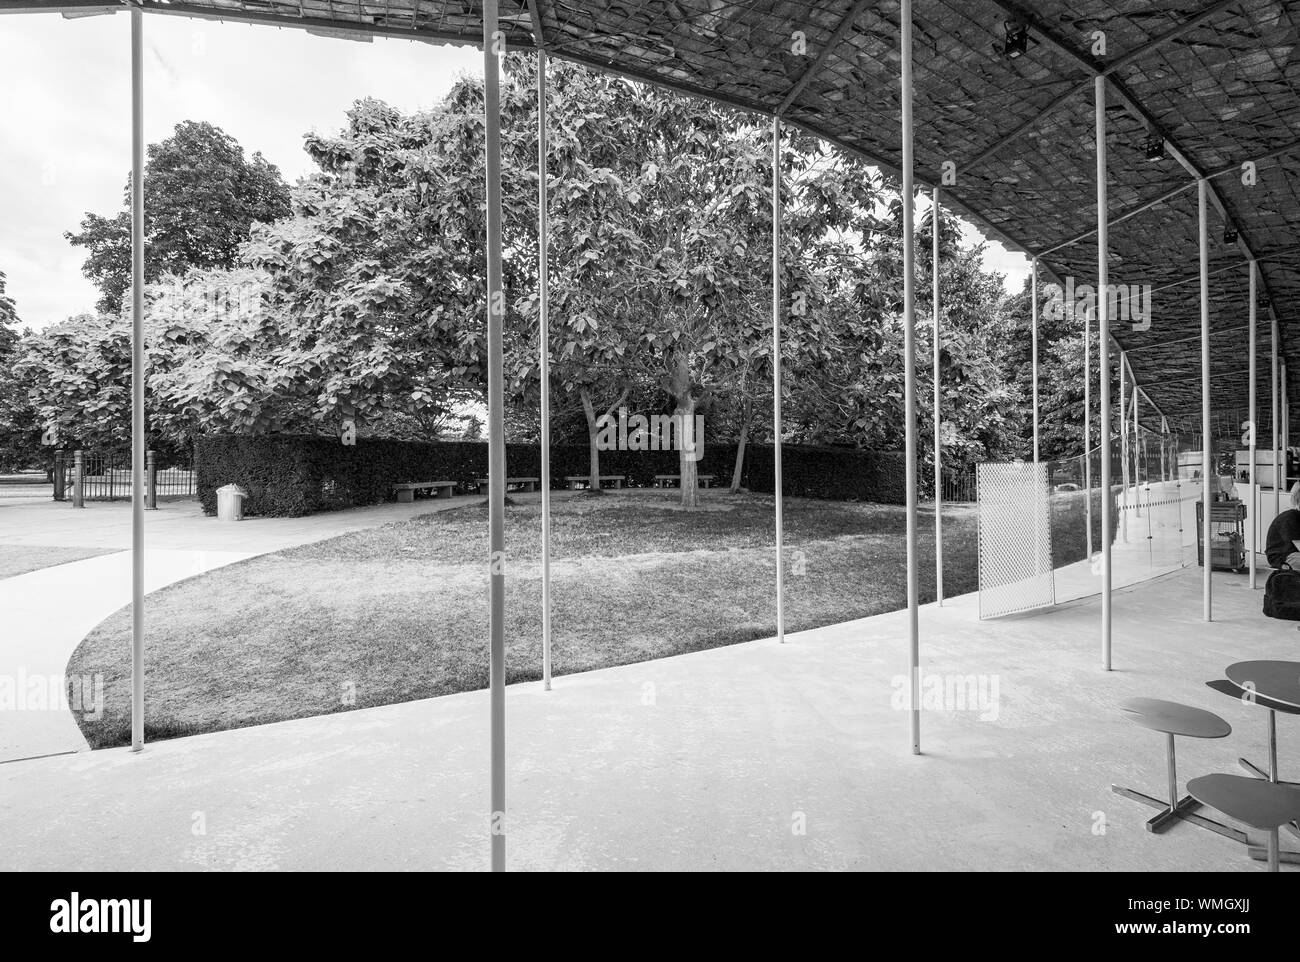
{"x":958,"y":486}
{"x":92,"y":476}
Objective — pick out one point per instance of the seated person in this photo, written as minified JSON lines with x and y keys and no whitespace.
{"x":1279,"y":546}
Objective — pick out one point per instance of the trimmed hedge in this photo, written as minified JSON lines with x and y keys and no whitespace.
{"x":295,"y":475}
{"x":832,"y":473}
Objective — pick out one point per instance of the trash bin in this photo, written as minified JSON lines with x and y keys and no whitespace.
{"x":230,"y":503}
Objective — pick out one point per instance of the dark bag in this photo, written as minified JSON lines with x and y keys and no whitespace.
{"x":1282,"y":594}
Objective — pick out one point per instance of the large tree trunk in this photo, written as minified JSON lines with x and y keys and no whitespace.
{"x":593,"y":449}
{"x":688,"y":452}
{"x":746,"y":415}
{"x":593,"y":433}
{"x":688,"y":445}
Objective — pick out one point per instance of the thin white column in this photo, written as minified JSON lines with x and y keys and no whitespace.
{"x":496,"y":438}
{"x":1278,"y":474}
{"x":1253,"y":526}
{"x":938,"y":434}
{"x":544,"y":353}
{"x":1087,"y":424}
{"x":1103,"y":343}
{"x":1207,"y":459}
{"x":1137,"y":446}
{"x":1164,"y":448}
{"x":1033,"y":377}
{"x":137,"y":379}
{"x":1123,"y":443}
{"x":909,"y":376}
{"x":777,"y":491}
{"x":1033,"y":339}
{"x":1285,"y":449}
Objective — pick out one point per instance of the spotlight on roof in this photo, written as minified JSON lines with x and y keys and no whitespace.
{"x":1017,"y":40}
{"x":1230,"y":235}
{"x":1154,"y":148}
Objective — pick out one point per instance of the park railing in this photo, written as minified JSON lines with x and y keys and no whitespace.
{"x":93,"y":476}
{"x":958,"y":486}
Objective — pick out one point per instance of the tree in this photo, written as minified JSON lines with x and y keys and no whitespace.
{"x":660,"y":272}
{"x":77,"y":378}
{"x":1060,"y":373}
{"x":20,"y":436}
{"x":8,"y":319}
{"x":201,"y":199}
{"x":856,"y":395}
{"x":366,"y":303}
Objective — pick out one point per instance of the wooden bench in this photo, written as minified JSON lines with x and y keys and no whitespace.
{"x":528,"y":484}
{"x":406,"y":490}
{"x":662,"y":480}
{"x":576,"y":481}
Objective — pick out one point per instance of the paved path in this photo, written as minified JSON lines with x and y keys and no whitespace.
{"x":755,"y":756}
{"x":47,"y":613}
{"x":183,"y":525}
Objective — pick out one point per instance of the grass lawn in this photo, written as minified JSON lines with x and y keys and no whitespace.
{"x":19,"y":559}
{"x":398,"y":612}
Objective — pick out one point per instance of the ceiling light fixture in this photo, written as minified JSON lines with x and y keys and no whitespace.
{"x":1017,"y":40}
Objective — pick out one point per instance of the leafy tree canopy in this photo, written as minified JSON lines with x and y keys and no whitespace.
{"x":201,"y":198}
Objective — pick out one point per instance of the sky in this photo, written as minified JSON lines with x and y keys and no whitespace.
{"x":65,"y":120}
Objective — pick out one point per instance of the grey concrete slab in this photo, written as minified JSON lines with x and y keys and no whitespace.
{"x":756,"y":756}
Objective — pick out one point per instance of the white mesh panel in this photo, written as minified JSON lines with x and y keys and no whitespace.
{"x":1015,"y":538}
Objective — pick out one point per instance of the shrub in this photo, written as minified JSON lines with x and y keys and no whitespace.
{"x":294,"y":475}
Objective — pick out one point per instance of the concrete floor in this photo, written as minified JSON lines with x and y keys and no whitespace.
{"x":756,"y":756}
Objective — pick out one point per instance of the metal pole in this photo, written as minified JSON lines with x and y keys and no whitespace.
{"x":1254,"y":479}
{"x":1207,"y":459}
{"x":1103,"y":341}
{"x":778,"y":487}
{"x":1137,"y":444}
{"x":1087,"y":425}
{"x":1171,"y":771}
{"x":1033,"y":375}
{"x":151,"y":481}
{"x":1033,"y":336}
{"x":938,"y":438}
{"x":909,"y":376}
{"x":137,"y":380}
{"x":1123,"y":445}
{"x":496,"y":435}
{"x":1272,"y":745}
{"x":1285,"y":450}
{"x":79,"y":479}
{"x":1278,"y":476}
{"x":544,"y":353}
{"x":1164,"y":448}
{"x":60,"y":479}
